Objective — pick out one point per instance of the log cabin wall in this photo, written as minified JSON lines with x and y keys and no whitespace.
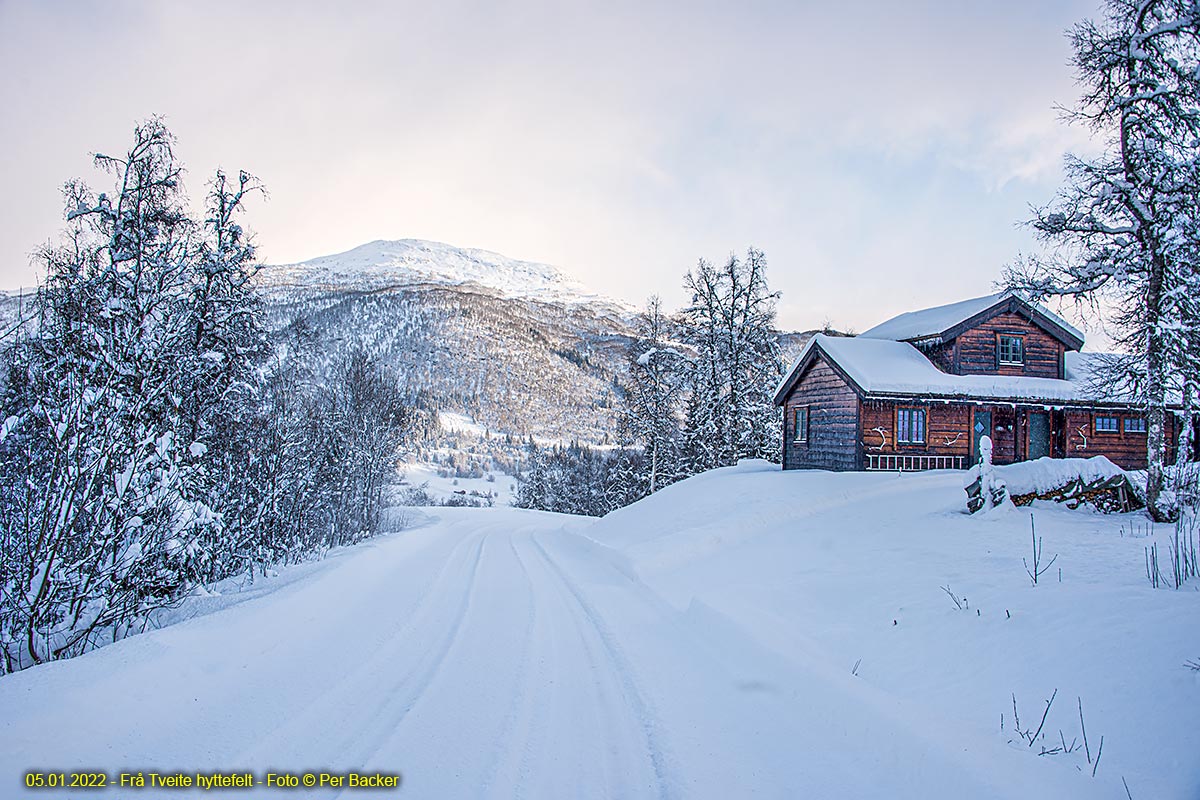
{"x":947,"y":427}
{"x":940,"y":355}
{"x":1072,"y":432}
{"x":1079,"y":433}
{"x":975,"y":349}
{"x":1006,"y":433}
{"x":832,"y":421}
{"x":1126,"y":450}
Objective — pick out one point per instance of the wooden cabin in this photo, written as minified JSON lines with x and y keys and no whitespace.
{"x":919,"y":391}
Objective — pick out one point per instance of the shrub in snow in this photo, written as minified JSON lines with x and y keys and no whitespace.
{"x":1183,"y":552}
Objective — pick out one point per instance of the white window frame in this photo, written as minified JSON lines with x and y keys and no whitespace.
{"x":800,"y":432}
{"x":1020,"y":340}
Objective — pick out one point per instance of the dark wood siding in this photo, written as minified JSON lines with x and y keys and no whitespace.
{"x":1006,"y":432}
{"x":832,"y":421}
{"x":941,"y":355}
{"x":947,"y":428}
{"x":1126,"y":450}
{"x":1072,"y":432}
{"x":976,"y":349}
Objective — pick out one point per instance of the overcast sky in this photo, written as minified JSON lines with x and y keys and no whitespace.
{"x":882,"y":158}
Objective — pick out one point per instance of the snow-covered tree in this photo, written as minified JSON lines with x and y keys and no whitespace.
{"x":148,"y":441}
{"x":365,"y":420}
{"x":572,"y":479}
{"x":730,"y":325}
{"x":651,"y":415}
{"x":111,"y":510}
{"x":1124,"y":228}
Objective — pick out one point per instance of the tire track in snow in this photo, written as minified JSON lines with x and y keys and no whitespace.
{"x":375,"y":732}
{"x":347,"y":694}
{"x":620,"y":668}
{"x":522,"y":714}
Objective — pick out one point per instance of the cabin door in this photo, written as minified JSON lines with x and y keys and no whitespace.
{"x":1039,"y":435}
{"x":981,"y":427}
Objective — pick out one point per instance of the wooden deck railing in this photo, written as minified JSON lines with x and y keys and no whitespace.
{"x":903,"y":463}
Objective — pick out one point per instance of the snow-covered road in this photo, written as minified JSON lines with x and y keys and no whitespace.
{"x":493,"y":653}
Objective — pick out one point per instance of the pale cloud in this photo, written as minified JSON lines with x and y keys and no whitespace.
{"x":879,"y":159}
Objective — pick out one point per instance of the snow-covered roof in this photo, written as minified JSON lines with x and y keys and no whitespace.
{"x":887,"y":367}
{"x":929,"y":323}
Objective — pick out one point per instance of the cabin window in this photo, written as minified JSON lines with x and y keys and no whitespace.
{"x":1011,"y":350}
{"x":910,"y":425}
{"x":1106,"y":425}
{"x":1135,"y":424}
{"x":800,"y":423}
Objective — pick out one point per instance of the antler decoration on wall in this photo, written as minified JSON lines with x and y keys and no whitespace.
{"x":1082,"y":435}
{"x":947,"y":441}
{"x":882,"y":431}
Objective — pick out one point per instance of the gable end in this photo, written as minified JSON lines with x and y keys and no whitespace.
{"x":797,"y":373}
{"x":1015,"y":305}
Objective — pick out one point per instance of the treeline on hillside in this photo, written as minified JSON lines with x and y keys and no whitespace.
{"x":153,"y":437}
{"x":512,"y":364}
{"x":699,"y":396}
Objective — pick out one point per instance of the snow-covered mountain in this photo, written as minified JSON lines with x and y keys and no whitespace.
{"x":382,"y":265}
{"x":520,"y":347}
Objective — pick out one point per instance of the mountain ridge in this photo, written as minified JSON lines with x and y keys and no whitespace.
{"x":384,"y":264}
{"x":521,"y":348}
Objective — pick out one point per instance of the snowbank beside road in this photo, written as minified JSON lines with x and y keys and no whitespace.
{"x":747,"y":632}
{"x":846,"y":569}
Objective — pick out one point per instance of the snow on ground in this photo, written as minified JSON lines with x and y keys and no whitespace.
{"x":460,"y":423}
{"x":442,"y":488}
{"x":701,"y":643}
{"x":1044,"y":475}
{"x":824,"y":570}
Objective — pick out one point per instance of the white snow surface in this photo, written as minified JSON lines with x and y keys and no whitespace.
{"x":460,"y":423}
{"x":883,"y":366}
{"x":886,"y":367}
{"x":418,"y":473}
{"x":929,"y":322}
{"x":1044,"y":475}
{"x":389,"y":264}
{"x":745,"y":633}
